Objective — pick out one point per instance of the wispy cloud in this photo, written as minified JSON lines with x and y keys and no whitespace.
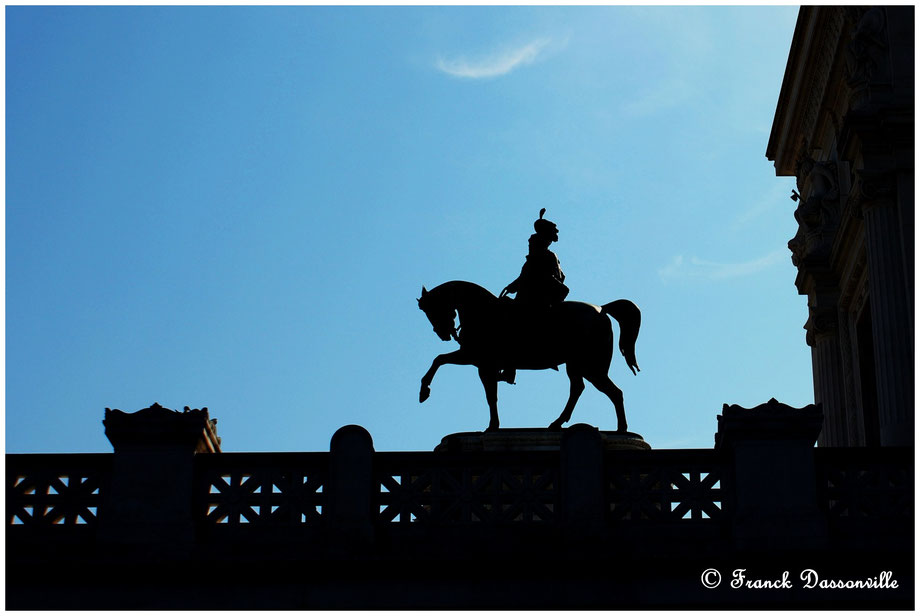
{"x":681,"y":268}
{"x":664,"y":96}
{"x":772,"y":200}
{"x":494,"y":65}
{"x":674,"y":73}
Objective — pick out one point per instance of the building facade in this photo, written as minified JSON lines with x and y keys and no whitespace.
{"x":844,"y":128}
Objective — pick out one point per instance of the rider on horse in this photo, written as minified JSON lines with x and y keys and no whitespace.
{"x":541,"y":283}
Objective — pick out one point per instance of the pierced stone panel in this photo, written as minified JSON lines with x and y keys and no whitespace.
{"x":46,"y":497}
{"x":261,"y":493}
{"x":849,"y":488}
{"x":664,"y":492}
{"x":461,"y":494}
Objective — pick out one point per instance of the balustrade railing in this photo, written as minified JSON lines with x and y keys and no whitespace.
{"x":874,"y":484}
{"x":55,"y":490}
{"x":666,"y":486}
{"x":268,"y":489}
{"x":425,"y":488}
{"x":677,"y":488}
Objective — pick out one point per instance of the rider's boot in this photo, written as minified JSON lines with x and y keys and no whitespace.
{"x":507,"y":375}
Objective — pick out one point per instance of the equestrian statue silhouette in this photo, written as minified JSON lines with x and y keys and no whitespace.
{"x":535,"y":331}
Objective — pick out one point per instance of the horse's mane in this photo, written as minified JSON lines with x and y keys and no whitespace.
{"x":462,"y":288}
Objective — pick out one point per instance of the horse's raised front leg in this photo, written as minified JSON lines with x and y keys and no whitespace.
{"x":606,"y":386}
{"x":576,"y":386}
{"x":489,"y":378}
{"x":458,"y":357}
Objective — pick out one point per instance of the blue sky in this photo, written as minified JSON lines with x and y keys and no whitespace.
{"x":237,"y":208}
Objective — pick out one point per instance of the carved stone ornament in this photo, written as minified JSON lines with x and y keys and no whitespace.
{"x":875,"y":187}
{"x":819,"y":68}
{"x":803,"y":166}
{"x":866,"y":53}
{"x":770,"y":408}
{"x":821,"y":322}
{"x":817,"y":182}
{"x":798,"y":248}
{"x":852,"y":286}
{"x":768,"y":421}
{"x":157,"y":426}
{"x":817,"y":211}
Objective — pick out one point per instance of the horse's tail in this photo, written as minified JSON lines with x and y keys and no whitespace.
{"x":628,"y":316}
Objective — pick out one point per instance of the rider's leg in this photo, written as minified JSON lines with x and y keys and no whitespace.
{"x":489,"y":378}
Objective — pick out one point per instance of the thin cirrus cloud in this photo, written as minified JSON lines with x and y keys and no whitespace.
{"x":496,"y":64}
{"x":662,"y":97}
{"x":767,"y":203}
{"x":681,"y":268}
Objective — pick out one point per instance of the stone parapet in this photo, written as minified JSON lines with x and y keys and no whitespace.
{"x":584,"y":526}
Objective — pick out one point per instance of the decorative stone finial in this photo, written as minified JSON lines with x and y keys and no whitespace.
{"x":159,"y":427}
{"x":769,"y":421}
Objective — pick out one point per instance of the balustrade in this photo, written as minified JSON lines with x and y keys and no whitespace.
{"x":427,"y":488}
{"x":672,"y":487}
{"x":874,"y":484}
{"x":44,"y":490}
{"x":274,"y":489}
{"x":665,"y":486}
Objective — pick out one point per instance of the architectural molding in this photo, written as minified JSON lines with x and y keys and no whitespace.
{"x":822,"y":322}
{"x":866,"y":61}
{"x":844,"y":129}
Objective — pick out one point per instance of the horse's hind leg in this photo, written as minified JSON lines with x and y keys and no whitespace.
{"x":606,"y":386}
{"x":576,"y":386}
{"x":489,"y":378}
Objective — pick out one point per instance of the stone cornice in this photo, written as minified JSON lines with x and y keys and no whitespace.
{"x":781,"y":121}
{"x":811,"y":58}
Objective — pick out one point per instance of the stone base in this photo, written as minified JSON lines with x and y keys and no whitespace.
{"x":532,"y":439}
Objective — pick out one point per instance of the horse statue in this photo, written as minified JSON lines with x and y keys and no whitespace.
{"x":495,"y":335}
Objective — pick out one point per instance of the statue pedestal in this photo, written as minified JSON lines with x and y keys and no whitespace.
{"x":533,"y":439}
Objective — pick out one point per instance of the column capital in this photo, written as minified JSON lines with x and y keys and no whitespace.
{"x":875,"y":187}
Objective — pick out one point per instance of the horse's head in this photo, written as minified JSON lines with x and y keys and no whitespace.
{"x":441,"y":315}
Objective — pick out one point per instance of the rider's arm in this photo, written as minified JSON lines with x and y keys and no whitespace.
{"x":511,"y":288}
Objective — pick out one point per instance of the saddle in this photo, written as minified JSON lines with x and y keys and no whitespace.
{"x":524,"y":323}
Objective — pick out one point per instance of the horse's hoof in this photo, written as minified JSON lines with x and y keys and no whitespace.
{"x":556,"y":425}
{"x":492,"y":428}
{"x":424,"y":393}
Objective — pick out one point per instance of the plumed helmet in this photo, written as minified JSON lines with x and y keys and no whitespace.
{"x":545,"y":228}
